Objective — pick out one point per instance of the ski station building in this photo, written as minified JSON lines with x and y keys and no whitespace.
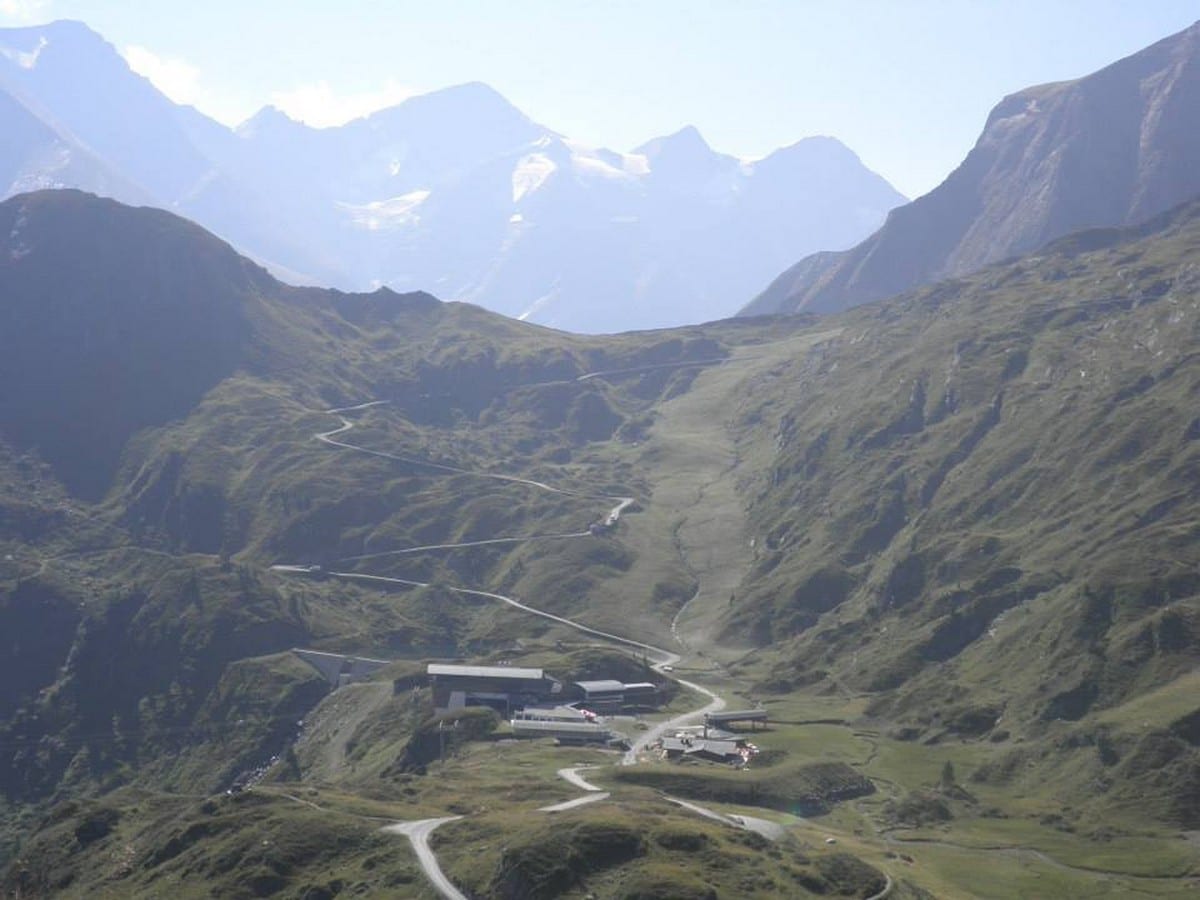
{"x":504,"y":688}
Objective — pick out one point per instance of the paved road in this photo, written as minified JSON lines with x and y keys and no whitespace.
{"x":887,"y":888}
{"x":772,"y":831}
{"x":691,"y":364}
{"x":701,"y":811}
{"x":666,"y":656}
{"x":418,"y":833}
{"x":572,"y":775}
{"x":715,"y":704}
{"x":572,"y":804}
{"x":430,"y":547}
{"x":328,"y":437}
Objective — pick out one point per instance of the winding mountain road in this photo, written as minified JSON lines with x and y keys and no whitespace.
{"x":490,"y":541}
{"x":666,"y":657}
{"x":572,"y":775}
{"x":418,"y":832}
{"x":715,"y":704}
{"x":651,"y":367}
{"x":327,"y":437}
{"x":575,"y":804}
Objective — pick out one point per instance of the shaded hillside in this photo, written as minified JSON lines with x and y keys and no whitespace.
{"x":149,"y":475}
{"x":1114,"y":148}
{"x":145,"y":634}
{"x":979,"y":504}
{"x":114,"y":319}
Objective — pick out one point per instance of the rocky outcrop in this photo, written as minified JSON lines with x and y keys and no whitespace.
{"x":1114,"y":148}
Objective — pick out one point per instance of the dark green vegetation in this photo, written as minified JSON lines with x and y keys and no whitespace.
{"x":802,"y":790}
{"x":643,"y":853}
{"x":137,"y":844}
{"x":153,"y":472}
{"x":949,"y":541}
{"x":981,"y":515}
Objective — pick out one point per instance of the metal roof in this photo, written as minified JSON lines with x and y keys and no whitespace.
{"x":342,"y":656}
{"x":726,"y":747}
{"x":598,"y":687}
{"x":558,"y":727}
{"x":700,"y":745}
{"x":742,"y":715}
{"x":505,"y":672}
{"x":544,"y":713}
{"x":716,"y":733}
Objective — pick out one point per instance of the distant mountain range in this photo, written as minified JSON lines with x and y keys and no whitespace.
{"x":1113,"y":148}
{"x":455,"y":192}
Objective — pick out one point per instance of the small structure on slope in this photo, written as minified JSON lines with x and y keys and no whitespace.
{"x":339,"y":669}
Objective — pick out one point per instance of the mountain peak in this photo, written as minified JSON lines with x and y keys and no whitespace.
{"x":818,"y":149}
{"x":70,"y":26}
{"x":65,"y":38}
{"x":472,"y":91}
{"x":1113,"y":148}
{"x":686,"y":142}
{"x":269,"y":118}
{"x":64,"y":28}
{"x":471,"y":100}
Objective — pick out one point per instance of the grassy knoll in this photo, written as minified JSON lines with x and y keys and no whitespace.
{"x":135,"y":844}
{"x":640,"y":849}
{"x":800,"y":789}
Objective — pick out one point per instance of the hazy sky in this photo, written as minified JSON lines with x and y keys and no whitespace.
{"x":907,"y":84}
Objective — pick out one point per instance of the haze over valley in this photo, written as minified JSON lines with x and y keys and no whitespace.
{"x":749,"y":532}
{"x":456,"y":192}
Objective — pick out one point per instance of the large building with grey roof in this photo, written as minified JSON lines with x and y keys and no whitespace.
{"x":504,"y":688}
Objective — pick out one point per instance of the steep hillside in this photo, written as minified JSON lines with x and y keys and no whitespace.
{"x":153,"y":472}
{"x":142,"y":312}
{"x":975,"y":504}
{"x":36,"y":155}
{"x":1114,"y":148}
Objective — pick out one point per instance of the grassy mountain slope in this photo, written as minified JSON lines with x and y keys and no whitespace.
{"x":954,"y":528}
{"x":975,"y":503}
{"x":150,"y":478}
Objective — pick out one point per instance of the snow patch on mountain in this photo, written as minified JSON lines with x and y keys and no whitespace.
{"x":531,"y":173}
{"x":385,"y":215}
{"x":17,"y":248}
{"x":603,"y":163}
{"x":456,"y":192}
{"x":25,"y":59}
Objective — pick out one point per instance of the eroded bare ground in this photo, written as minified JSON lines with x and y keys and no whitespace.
{"x":323,"y":741}
{"x":696,"y":500}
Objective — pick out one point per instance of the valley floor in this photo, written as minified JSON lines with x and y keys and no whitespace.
{"x":998,"y":846}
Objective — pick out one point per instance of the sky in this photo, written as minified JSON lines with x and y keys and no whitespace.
{"x":906,"y":84}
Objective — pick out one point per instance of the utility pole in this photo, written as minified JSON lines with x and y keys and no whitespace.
{"x":442,"y":738}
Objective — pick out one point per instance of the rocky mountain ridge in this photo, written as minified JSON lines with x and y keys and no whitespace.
{"x":455,"y":192}
{"x":1113,"y":148}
